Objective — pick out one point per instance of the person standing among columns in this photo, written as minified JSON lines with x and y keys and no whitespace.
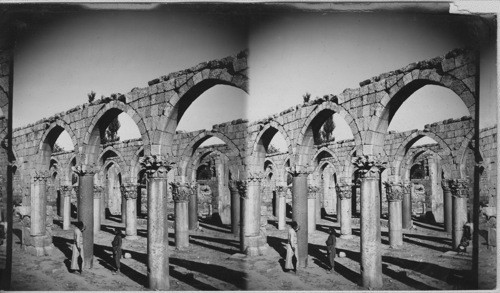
{"x":344,"y":192}
{"x":157,"y":168}
{"x":291,"y":248}
{"x":394,"y":197}
{"x":370,"y":168}
{"x":129,"y":192}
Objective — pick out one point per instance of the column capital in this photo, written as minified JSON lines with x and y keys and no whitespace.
{"x":406,"y":185}
{"x":298,"y":171}
{"x":98,"y":191}
{"x":370,"y":166}
{"x":156,"y":166}
{"x":445,"y":184}
{"x":459,"y":187}
{"x":40,"y":176}
{"x":180,"y":191}
{"x":233,"y":185}
{"x":129,"y":190}
{"x":242,"y":189}
{"x":85,"y":169}
{"x":66,"y":190}
{"x":255,"y":176}
{"x":394,"y":191}
{"x":344,"y":190}
{"x":312,"y":192}
{"x":281,"y":190}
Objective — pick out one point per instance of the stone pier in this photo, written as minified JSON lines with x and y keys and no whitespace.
{"x":370,"y":168}
{"x":86,"y":210}
{"x":448,"y":214}
{"x":299,"y":214}
{"x":97,"y":209}
{"x":180,"y":194}
{"x":235,"y":207}
{"x":344,"y":192}
{"x":312,"y":208}
{"x":129,"y":194}
{"x":406,"y":208}
{"x":281,"y":193}
{"x":193,"y":207}
{"x":394,"y":193}
{"x":460,"y":192}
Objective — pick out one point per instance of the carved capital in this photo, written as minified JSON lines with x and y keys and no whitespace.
{"x":129,"y":191}
{"x":233,"y":185}
{"x":83,"y":170}
{"x":255,"y":176}
{"x":40,"y":176}
{"x":406,"y":187}
{"x":98,"y":191}
{"x":459,"y":188}
{"x":394,"y":191}
{"x":242,"y":189}
{"x":66,"y":190}
{"x":344,"y":190}
{"x":180,"y":191}
{"x":156,"y":166}
{"x":281,"y":190}
{"x":446,"y":185}
{"x":312,"y":192}
{"x":370,"y":166}
{"x":296,"y":171}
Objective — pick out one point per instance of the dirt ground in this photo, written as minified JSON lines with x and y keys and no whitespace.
{"x":213,"y":262}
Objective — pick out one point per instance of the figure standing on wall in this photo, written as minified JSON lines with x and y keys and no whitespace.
{"x":77,"y":256}
{"x":291,"y":248}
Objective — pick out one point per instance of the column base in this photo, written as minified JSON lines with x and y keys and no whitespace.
{"x":347,"y":236}
{"x":132,"y":237}
{"x":38,"y":245}
{"x":257,"y":245}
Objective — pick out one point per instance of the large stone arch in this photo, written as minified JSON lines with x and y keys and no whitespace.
{"x":196,"y":141}
{"x":335,"y":162}
{"x":49,"y":138}
{"x":408,"y":142}
{"x":189,"y":85}
{"x":197,"y":158}
{"x":410,"y":83}
{"x":265,"y":135}
{"x":91,"y":142}
{"x":305,"y":139}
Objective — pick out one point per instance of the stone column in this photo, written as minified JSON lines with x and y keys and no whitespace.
{"x":460,"y":191}
{"x":344,"y":192}
{"x":235,"y":207}
{"x":97,"y":209}
{"x":311,"y":208}
{"x":242,"y":191}
{"x":317,"y":204}
{"x":193,"y":206}
{"x":253,"y":242}
{"x":406,"y":209}
{"x":129,"y":194}
{"x":339,"y":207}
{"x":66,"y":194}
{"x":123,"y":208}
{"x":394,"y":193}
{"x":281,"y":193}
{"x":370,"y":168}
{"x":86,"y":210}
{"x":299,"y":214}
{"x":158,"y":260}
{"x":38,"y":204}
{"x":448,"y":218}
{"x":181,"y":194}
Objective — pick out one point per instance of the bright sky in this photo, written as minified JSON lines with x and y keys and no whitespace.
{"x":57,"y":64}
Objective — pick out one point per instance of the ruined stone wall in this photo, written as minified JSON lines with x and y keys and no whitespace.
{"x":488,"y":147}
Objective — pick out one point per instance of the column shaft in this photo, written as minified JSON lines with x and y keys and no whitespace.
{"x":131,"y":228}
{"x":282,"y":212}
{"x":86,"y":215}
{"x":66,"y":211}
{"x":181,"y":225}
{"x":406,"y":206}
{"x":311,"y":214}
{"x":38,"y":206}
{"x":193,"y":209}
{"x":235,"y":211}
{"x":459,"y":219}
{"x":299,"y":215}
{"x":395,"y":224}
{"x":97,"y":216}
{"x":448,"y":215}
{"x":251,"y":225}
{"x":345,"y":218}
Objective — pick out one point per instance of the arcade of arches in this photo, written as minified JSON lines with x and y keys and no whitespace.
{"x":375,"y":176}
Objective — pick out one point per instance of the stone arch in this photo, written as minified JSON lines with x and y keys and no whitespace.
{"x":408,"y":142}
{"x":270,"y":129}
{"x":195,"y":143}
{"x":91,"y":142}
{"x":135,"y":166}
{"x":197,"y":158}
{"x":49,"y":138}
{"x":120,"y":161}
{"x":335,"y":162}
{"x":305,"y":139}
{"x":405,"y":165}
{"x":228,"y":71}
{"x":397,"y":95}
